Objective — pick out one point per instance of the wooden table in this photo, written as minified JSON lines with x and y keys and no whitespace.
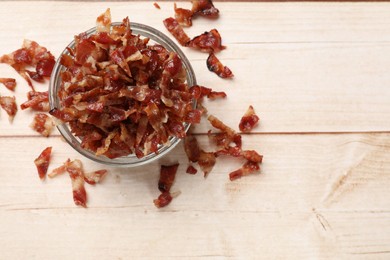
{"x":317,"y":74}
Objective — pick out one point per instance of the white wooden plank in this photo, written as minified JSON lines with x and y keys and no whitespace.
{"x":297,"y":207}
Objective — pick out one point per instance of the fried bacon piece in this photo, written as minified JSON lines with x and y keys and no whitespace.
{"x":163,"y":200}
{"x":183,"y":16}
{"x":198,"y":92}
{"x":208,"y":42}
{"x":204,"y":8}
{"x":191,"y":148}
{"x":249,"y":120}
{"x":59,"y":170}
{"x":9,"y":83}
{"x":76,"y":173}
{"x":167,"y":177}
{"x":94,"y":177}
{"x":250,"y":155}
{"x":206,"y":162}
{"x":43,"y":124}
{"x":31,"y":55}
{"x":214,"y":65}
{"x":38,"y":101}
{"x":176,"y":30}
{"x":9,"y":105}
{"x":156,"y":5}
{"x":191,"y":169}
{"x":215,"y":94}
{"x":42,"y":162}
{"x":248,"y":168}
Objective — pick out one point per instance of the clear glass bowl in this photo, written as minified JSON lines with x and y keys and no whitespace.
{"x":130,"y":160}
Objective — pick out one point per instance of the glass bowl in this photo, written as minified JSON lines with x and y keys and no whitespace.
{"x":131,"y":160}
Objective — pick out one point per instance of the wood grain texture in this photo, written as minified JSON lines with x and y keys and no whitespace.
{"x":317,"y":75}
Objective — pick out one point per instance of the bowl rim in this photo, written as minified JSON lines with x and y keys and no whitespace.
{"x":129,"y":160}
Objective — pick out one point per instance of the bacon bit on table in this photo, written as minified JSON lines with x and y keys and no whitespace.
{"x":208,"y":42}
{"x":76,"y":173}
{"x":156,"y":5}
{"x":59,"y":170}
{"x":191,"y":147}
{"x":191,"y":169}
{"x":248,"y":168}
{"x":163,"y":200}
{"x":176,"y":30}
{"x":31,"y":55}
{"x":9,"y":105}
{"x":214,"y":65}
{"x":167,"y":177}
{"x":204,"y":8}
{"x":94,"y":177}
{"x":42,"y":162}
{"x":249,"y":120}
{"x":38,"y":101}
{"x":43,"y":124}
{"x":206,"y":162}
{"x":9,"y":83}
{"x":121,"y":95}
{"x":183,"y":16}
{"x":215,"y":94}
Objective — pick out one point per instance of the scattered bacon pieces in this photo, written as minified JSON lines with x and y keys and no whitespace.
{"x":167,"y":177}
{"x":94,"y":177}
{"x":214,"y":65}
{"x":76,"y":173}
{"x":9,"y":105}
{"x":31,"y":55}
{"x":249,"y":120}
{"x":183,"y":16}
{"x":9,"y":83}
{"x":191,"y":169}
{"x":208,"y":42}
{"x":191,"y":148}
{"x":248,"y":168}
{"x":176,"y":30}
{"x":206,"y":162}
{"x":42,"y":162}
{"x":156,"y":5}
{"x":43,"y":124}
{"x":38,"y":101}
{"x":204,"y":8}
{"x":163,"y":200}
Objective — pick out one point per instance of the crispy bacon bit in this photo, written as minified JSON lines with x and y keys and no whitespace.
{"x":191,"y":148}
{"x":215,"y":95}
{"x":206,"y":162}
{"x":121,"y":95}
{"x":177,"y":31}
{"x":167,"y":177}
{"x":208,"y":42}
{"x":248,"y":168}
{"x":215,"y":122}
{"x":38,"y":101}
{"x":249,"y":120}
{"x":204,"y":8}
{"x":76,"y":173}
{"x":30,"y":55}
{"x":8,"y":83}
{"x":156,"y":5}
{"x":163,"y":200}
{"x":42,"y":162}
{"x":183,"y":16}
{"x":94,"y":177}
{"x":236,"y":151}
{"x":214,"y":65}
{"x":43,"y":124}
{"x":9,"y":105}
{"x":59,"y":170}
{"x":191,"y":169}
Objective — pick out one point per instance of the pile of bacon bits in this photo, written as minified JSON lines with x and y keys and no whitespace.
{"x":123,"y":96}
{"x":210,"y":42}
